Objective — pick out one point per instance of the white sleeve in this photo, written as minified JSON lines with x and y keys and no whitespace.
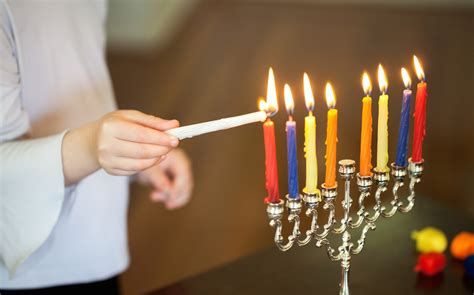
{"x":31,"y":174}
{"x":13,"y":118}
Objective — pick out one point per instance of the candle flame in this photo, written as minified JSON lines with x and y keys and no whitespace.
{"x":272,"y":102}
{"x":330,"y":96}
{"x":308,"y":93}
{"x":289,"y":103}
{"x":262,"y":105}
{"x":366,"y":84}
{"x":419,"y":70}
{"x":383,"y":84}
{"x":406,"y":78}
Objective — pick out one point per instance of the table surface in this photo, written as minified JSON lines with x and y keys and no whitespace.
{"x":385,"y":266}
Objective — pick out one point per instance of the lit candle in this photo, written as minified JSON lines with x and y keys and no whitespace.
{"x":310,"y":140}
{"x":291,"y":146}
{"x":382,"y":130}
{"x":401,"y":159}
{"x":331,"y":138}
{"x":271,"y":168}
{"x":216,"y":125}
{"x":366,"y":129}
{"x":420,"y":113}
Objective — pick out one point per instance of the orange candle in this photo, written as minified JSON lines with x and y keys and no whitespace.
{"x":366,"y":129}
{"x":331,"y":138}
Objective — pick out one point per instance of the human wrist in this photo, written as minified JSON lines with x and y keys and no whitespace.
{"x":79,"y":153}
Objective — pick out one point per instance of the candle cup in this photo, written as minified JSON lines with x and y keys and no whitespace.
{"x":346,"y":169}
{"x":312,"y":200}
{"x":293,"y":205}
{"x":382,"y":176}
{"x":275,"y":210}
{"x":364,"y":182}
{"x":415,"y":168}
{"x":329,"y":193}
{"x":398,"y":172}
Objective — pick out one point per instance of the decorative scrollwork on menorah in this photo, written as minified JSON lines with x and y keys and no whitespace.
{"x":365,"y":217}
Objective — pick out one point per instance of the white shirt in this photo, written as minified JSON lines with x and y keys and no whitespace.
{"x":53,"y":77}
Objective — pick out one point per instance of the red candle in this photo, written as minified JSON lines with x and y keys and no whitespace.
{"x":420,"y":114}
{"x":271,"y":172}
{"x":271,"y":167}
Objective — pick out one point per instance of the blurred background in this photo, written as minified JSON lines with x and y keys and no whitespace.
{"x":197,"y":60}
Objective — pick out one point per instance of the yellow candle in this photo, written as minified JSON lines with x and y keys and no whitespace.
{"x":382,"y":130}
{"x":331,"y":138}
{"x":310,"y":141}
{"x":366,"y":129}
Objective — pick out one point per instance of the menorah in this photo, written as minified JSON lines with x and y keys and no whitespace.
{"x":364,"y":217}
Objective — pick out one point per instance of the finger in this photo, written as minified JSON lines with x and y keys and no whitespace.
{"x":136,"y":133}
{"x":132,"y":165}
{"x":160,"y":182}
{"x":128,"y":149}
{"x":182,"y":182}
{"x":180,"y":193}
{"x":119,"y":172}
{"x":156,"y":196}
{"x":177,"y":202}
{"x":151,"y":121}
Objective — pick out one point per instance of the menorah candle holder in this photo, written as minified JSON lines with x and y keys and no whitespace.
{"x":367,"y":218}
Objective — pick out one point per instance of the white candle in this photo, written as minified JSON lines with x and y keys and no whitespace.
{"x":216,"y":125}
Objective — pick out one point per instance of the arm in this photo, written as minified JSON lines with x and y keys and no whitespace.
{"x":121,"y":142}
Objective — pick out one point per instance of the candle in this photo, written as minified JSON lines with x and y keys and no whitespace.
{"x":420,"y":113}
{"x":216,"y":125}
{"x":401,"y":159}
{"x":291,"y":145}
{"x":382,"y":130}
{"x":310,"y":140}
{"x":331,"y":138}
{"x":271,"y":168}
{"x":366,"y":129}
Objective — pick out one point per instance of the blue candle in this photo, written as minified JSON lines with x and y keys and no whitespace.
{"x":292,"y":160}
{"x":402,"y":147}
{"x":293,"y":190}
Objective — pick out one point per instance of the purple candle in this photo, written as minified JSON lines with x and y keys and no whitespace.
{"x":401,"y":159}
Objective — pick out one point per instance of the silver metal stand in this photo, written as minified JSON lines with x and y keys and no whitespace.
{"x":364,"y":217}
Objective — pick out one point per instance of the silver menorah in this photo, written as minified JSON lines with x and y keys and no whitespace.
{"x":364,"y":217}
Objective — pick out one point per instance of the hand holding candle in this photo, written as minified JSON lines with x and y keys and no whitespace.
{"x":291,"y":146}
{"x":401,"y":159}
{"x":271,"y":171}
{"x":310,"y":140}
{"x":366,"y":129}
{"x":420,"y":113}
{"x":382,"y":129}
{"x":331,"y":138}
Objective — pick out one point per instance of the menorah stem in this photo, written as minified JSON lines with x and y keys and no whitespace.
{"x":346,"y":171}
{"x":344,"y":285}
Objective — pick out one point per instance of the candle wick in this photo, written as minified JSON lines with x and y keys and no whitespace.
{"x":290,"y":118}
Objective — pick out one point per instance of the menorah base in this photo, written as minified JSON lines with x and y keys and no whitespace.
{"x":344,"y":252}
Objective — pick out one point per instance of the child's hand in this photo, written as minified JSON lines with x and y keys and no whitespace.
{"x":129,"y":141}
{"x":171,"y":180}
